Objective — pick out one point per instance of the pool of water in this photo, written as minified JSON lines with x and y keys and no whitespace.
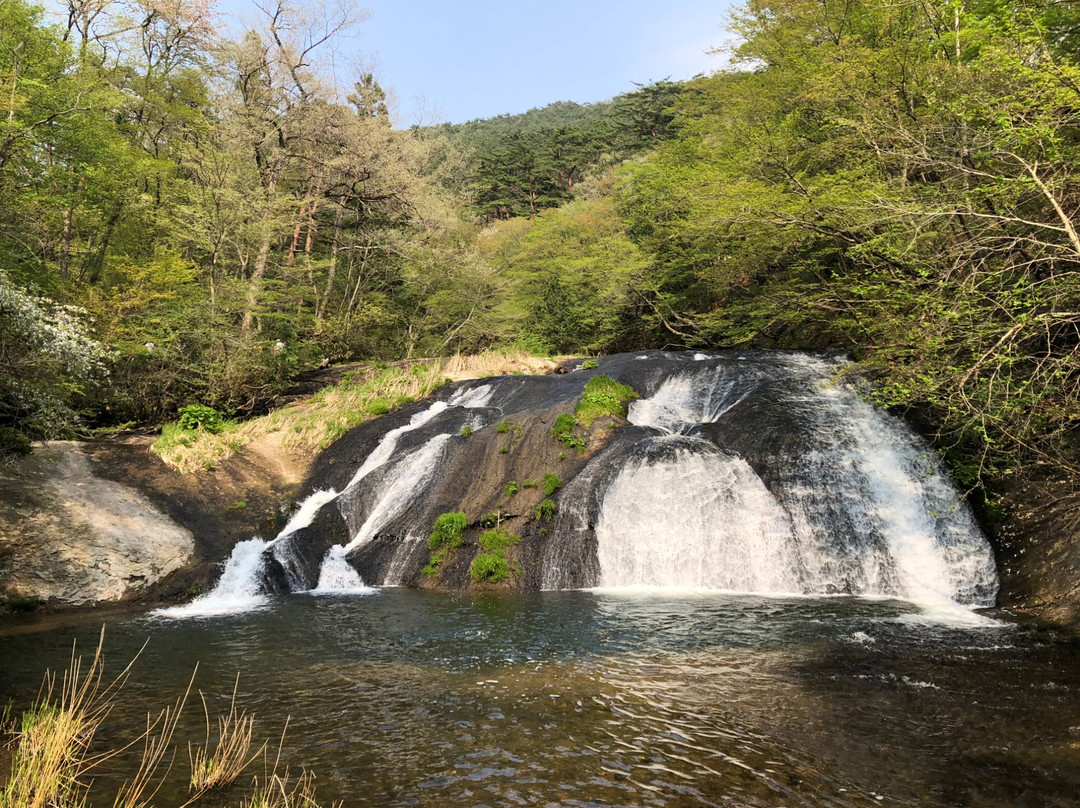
{"x":402,"y":697}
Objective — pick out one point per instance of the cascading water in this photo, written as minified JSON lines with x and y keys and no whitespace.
{"x":240,"y":586}
{"x":863,"y":509}
{"x":750,"y":472}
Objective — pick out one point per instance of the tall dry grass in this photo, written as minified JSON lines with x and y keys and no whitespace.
{"x":53,"y":760}
{"x":218,"y":765}
{"x":314,"y":424}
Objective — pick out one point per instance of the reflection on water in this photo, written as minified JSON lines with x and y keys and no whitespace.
{"x":588,"y":698}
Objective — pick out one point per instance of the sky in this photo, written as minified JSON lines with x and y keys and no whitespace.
{"x":456,"y":60}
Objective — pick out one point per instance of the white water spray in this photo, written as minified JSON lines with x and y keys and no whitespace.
{"x":867,"y":511}
{"x":239,"y":588}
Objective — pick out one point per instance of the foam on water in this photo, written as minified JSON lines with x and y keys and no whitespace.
{"x":336,"y":576}
{"x":237,"y":591}
{"x":867,"y":511}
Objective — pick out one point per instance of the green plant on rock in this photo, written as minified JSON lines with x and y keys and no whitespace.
{"x":489,"y":519}
{"x":489,"y":568}
{"x":199,"y":416}
{"x":492,"y":566}
{"x":466,"y":431}
{"x":545,"y":510}
{"x":603,"y":396}
{"x":511,"y":489}
{"x":445,"y":535}
{"x":503,"y":427}
{"x":590,"y":364}
{"x":551,"y":483}
{"x":529,"y":484}
{"x":563,"y":431}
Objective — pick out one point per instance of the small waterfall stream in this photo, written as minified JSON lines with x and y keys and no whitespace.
{"x":752,"y":472}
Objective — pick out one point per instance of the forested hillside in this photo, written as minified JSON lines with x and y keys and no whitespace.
{"x":894,"y":179}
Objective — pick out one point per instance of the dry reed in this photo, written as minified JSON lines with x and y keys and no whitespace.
{"x":52,"y":757}
{"x":231,"y":754}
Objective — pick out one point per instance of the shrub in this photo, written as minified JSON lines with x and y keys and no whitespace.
{"x":590,"y":364}
{"x":551,"y":483}
{"x":489,"y":568}
{"x":199,"y":416}
{"x":511,"y":489}
{"x":545,"y":510}
{"x":503,"y":427}
{"x":529,"y":484}
{"x":23,"y":604}
{"x":448,"y":530}
{"x":563,"y":431}
{"x":466,"y":431}
{"x":489,"y":519}
{"x":446,"y":534}
{"x":603,"y":396}
{"x":492,"y":566}
{"x":497,"y":539}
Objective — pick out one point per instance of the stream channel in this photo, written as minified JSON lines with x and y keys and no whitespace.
{"x":604,"y":698}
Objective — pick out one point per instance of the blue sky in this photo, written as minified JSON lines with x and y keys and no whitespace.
{"x":457,"y":60}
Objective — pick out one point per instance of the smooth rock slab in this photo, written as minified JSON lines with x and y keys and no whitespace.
{"x":69,"y":536}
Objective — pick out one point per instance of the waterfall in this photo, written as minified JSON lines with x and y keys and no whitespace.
{"x":240,"y":587}
{"x":724,"y":530}
{"x":336,"y":575}
{"x":862,"y":508}
{"x":753,"y":472}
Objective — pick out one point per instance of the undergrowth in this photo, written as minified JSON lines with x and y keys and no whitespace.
{"x":492,"y":565}
{"x":316,"y":423}
{"x":445,"y":535}
{"x":53,"y":759}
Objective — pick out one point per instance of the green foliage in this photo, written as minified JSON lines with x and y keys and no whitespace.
{"x":529,"y":484}
{"x":563,"y":431}
{"x":603,"y":396}
{"x":489,"y":568}
{"x":49,"y":360}
{"x":378,"y":406}
{"x":545,"y":510}
{"x":503,"y":427}
{"x":523,"y":164}
{"x":239,"y":505}
{"x":445,"y":535}
{"x":199,"y":416}
{"x":590,"y":364}
{"x":448,"y":530}
{"x":511,"y":489}
{"x":490,"y":519}
{"x":466,"y":431}
{"x":23,"y":604}
{"x":573,"y":271}
{"x":551,"y":483}
{"x":491,"y":565}
{"x":496,"y":540}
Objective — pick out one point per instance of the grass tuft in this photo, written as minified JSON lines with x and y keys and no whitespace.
{"x":222,"y":765}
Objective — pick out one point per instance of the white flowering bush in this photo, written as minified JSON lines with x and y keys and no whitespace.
{"x":47,"y":360}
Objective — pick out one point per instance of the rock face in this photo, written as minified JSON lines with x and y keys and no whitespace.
{"x":747,"y":471}
{"x":70,"y":536}
{"x":1037,"y":539}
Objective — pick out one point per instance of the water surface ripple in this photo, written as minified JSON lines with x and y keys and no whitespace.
{"x":604,"y":699}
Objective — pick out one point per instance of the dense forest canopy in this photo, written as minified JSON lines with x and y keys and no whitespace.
{"x":188,"y":219}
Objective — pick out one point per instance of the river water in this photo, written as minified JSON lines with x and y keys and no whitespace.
{"x":606,"y":698}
